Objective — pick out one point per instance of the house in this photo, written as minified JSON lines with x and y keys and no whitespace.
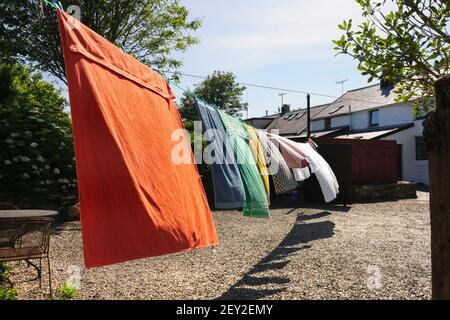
{"x":293,"y":123}
{"x":369,"y":113}
{"x":261,"y":122}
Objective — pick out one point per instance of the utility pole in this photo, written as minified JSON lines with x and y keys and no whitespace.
{"x":350,"y":117}
{"x":308,"y":114}
{"x":342,"y":84}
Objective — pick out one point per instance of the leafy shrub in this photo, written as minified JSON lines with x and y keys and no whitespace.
{"x":68,"y":292}
{"x":36,"y":144}
{"x":4,"y":271}
{"x":204,"y":170}
{"x":8,"y":294}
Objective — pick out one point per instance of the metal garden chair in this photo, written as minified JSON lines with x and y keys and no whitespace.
{"x":26,"y":239}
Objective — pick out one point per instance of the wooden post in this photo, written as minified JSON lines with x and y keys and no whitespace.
{"x":437,"y":134}
{"x":308,"y":119}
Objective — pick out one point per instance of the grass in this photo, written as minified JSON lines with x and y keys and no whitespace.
{"x":6,"y":293}
{"x":68,"y":292}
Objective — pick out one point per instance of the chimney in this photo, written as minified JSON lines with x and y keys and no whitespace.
{"x":385,"y":81}
{"x":285,"y":109}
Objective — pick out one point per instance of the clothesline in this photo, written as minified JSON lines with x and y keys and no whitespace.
{"x":187,"y":91}
{"x":296,"y":156}
{"x":299,"y":157}
{"x":279,"y":89}
{"x":136,"y":200}
{"x":54,"y":5}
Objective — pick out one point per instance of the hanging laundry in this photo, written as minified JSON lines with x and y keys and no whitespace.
{"x":256,"y":201}
{"x":293,"y":156}
{"x":282,"y":176}
{"x":229,"y":190}
{"x":301,"y":174}
{"x":325,"y":175}
{"x":298,"y":154}
{"x":135,"y":201}
{"x":258,"y":153}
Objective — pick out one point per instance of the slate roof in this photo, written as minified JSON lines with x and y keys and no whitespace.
{"x":361,"y":99}
{"x":294,"y":122}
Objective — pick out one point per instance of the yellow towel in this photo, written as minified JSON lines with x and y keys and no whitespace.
{"x":258,"y":153}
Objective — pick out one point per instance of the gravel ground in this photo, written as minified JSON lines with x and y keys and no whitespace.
{"x":370,"y":251}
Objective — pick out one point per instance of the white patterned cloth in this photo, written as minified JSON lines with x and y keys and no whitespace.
{"x":283,"y":177}
{"x":296,"y":152}
{"x":325,"y":175}
{"x":301,"y":174}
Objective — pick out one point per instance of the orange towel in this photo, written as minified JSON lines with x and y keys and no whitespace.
{"x":135,"y":201}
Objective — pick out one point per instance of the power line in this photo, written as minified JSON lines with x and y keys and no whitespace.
{"x":337,"y":99}
{"x":255,"y":85}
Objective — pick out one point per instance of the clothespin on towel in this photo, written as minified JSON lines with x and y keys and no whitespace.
{"x":54,"y":5}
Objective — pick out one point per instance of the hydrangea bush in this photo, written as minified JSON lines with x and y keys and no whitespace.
{"x":36,"y":143}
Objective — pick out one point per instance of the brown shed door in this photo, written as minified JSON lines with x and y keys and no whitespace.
{"x":339,"y":157}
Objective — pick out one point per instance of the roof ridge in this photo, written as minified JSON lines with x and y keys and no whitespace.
{"x":305,"y":108}
{"x":357,"y":89}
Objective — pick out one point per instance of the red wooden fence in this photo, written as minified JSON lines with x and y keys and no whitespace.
{"x":373,"y":161}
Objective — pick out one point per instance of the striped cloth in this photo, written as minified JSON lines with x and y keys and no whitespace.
{"x":283,"y":178}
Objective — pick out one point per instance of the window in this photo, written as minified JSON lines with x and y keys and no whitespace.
{"x":374,"y":118}
{"x":289,"y":117}
{"x":421,"y":149}
{"x":327,"y":123}
{"x":336,"y":110}
{"x":300,"y":115}
{"x":293,"y":116}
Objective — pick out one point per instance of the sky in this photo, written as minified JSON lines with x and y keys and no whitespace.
{"x":278,"y":43}
{"x":283,"y":44}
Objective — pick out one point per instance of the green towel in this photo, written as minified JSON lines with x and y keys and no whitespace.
{"x":256,"y":200}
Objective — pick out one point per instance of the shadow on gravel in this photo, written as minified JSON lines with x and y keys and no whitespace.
{"x":60,"y":227}
{"x":255,"y":284}
{"x":295,"y":205}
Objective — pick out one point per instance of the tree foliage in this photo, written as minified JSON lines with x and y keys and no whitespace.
{"x":219,"y":89}
{"x":36,"y":149}
{"x":150,"y":30}
{"x":408,"y":45}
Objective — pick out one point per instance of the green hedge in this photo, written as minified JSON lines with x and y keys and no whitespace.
{"x":36,"y":144}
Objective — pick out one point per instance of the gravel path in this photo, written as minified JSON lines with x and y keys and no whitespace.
{"x":371,"y":251}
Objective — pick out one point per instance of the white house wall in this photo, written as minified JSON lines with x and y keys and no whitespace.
{"x":396,"y":114}
{"x":413,"y":170}
{"x":317,"y":125}
{"x":388,"y":115}
{"x":360,"y":120}
{"x":339,"y":121}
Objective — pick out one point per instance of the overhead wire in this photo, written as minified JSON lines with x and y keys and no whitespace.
{"x":337,"y":99}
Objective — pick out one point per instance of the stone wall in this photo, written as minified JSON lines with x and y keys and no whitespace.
{"x":384,"y":192}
